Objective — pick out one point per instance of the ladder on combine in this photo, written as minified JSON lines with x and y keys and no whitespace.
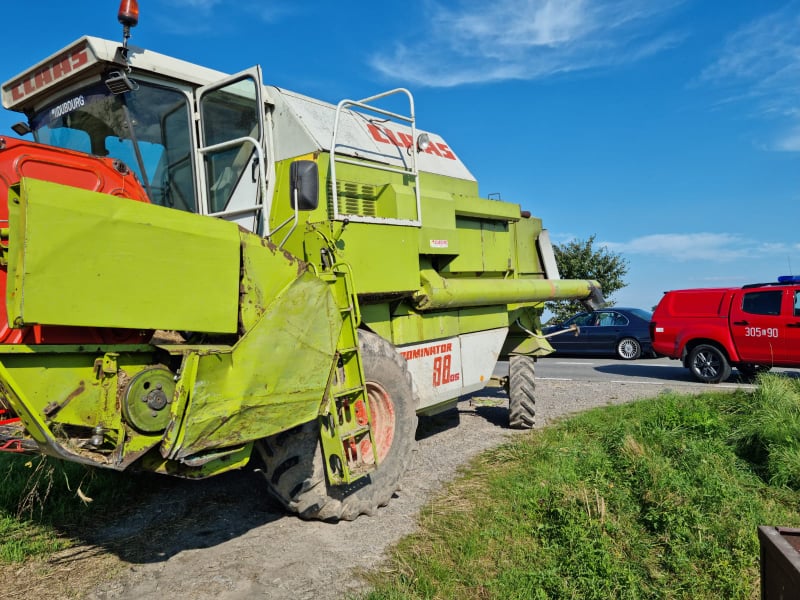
{"x":347,"y":438}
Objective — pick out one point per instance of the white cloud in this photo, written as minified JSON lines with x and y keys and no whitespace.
{"x":478,"y":42}
{"x":762,"y":54}
{"x":707,"y":247}
{"x":788,"y":142}
{"x":202,"y":5}
{"x":214,"y":16}
{"x":760,"y":64}
{"x":273,"y":12}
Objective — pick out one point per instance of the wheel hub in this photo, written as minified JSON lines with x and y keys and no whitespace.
{"x":146,"y":399}
{"x":381,"y":410}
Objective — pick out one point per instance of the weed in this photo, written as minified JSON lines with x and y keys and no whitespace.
{"x":42,"y":498}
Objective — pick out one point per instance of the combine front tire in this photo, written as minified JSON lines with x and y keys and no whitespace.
{"x":521,"y":386}
{"x":293,"y":459}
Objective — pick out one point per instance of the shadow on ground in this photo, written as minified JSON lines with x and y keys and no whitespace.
{"x":676,"y":373}
{"x":489,"y":403}
{"x":170,"y":516}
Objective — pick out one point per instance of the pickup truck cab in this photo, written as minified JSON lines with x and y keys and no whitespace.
{"x":753,"y":328}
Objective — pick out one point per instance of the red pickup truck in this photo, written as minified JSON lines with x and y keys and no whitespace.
{"x":752,"y":328}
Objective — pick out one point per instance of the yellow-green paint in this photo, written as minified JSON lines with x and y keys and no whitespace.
{"x":200,"y":274}
{"x":481,"y":208}
{"x":212,"y":463}
{"x":409,"y":326}
{"x":274,"y":377}
{"x":525,"y":232}
{"x":482,"y":318}
{"x":384,"y":258}
{"x":524,"y":344}
{"x":377,"y":318}
{"x":266,"y":272}
{"x":49,"y":391}
{"x":14,"y":396}
{"x":438,"y":292}
{"x":348,"y":444}
{"x":168,"y":269}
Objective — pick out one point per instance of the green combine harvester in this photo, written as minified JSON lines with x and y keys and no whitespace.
{"x":198,"y":267}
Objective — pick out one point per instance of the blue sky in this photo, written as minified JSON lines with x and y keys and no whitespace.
{"x":670,"y":130}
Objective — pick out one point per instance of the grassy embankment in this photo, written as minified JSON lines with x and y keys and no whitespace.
{"x":42,"y":500}
{"x":656,"y":499}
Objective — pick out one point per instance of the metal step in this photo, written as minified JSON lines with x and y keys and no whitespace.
{"x":343,"y":430}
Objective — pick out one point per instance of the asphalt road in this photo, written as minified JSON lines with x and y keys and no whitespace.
{"x":651,"y":371}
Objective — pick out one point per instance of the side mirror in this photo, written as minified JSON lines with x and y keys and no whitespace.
{"x":304,"y":177}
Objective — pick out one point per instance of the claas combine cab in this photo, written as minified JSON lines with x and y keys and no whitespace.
{"x":197,"y":268}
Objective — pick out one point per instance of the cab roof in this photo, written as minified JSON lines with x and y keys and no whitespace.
{"x":93,"y":55}
{"x":302,"y":124}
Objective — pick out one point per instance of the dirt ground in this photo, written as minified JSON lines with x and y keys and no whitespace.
{"x":224,"y":539}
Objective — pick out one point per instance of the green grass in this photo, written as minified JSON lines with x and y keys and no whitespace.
{"x":656,"y":499}
{"x":42,"y":500}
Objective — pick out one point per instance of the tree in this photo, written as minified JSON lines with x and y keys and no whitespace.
{"x":579,"y":260}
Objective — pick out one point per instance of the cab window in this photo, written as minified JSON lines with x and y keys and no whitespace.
{"x":229,"y":113}
{"x":763,"y":302}
{"x":147,"y":128}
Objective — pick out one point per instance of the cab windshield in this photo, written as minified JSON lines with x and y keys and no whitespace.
{"x":147,"y":129}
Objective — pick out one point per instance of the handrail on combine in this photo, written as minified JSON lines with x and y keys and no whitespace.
{"x":412,"y":171}
{"x":261,"y":217}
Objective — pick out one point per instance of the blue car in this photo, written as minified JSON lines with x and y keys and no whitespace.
{"x":624,"y":332}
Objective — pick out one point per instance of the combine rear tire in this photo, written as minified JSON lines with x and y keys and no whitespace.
{"x":709,"y":364}
{"x":521,"y":386}
{"x":294,"y":466}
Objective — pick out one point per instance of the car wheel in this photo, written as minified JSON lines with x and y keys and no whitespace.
{"x":709,"y":364}
{"x":629,"y":348}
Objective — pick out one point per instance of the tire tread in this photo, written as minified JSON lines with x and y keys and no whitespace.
{"x":294,"y":458}
{"x":521,"y":392}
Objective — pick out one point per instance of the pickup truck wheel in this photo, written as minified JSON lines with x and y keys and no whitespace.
{"x":629,"y":348}
{"x":708,"y":364}
{"x":521,"y":386}
{"x":293,"y":461}
{"x":750,"y":371}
